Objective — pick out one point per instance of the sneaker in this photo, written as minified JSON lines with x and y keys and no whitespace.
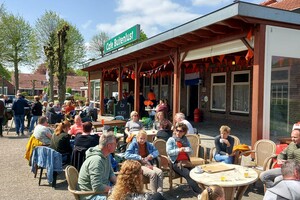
{"x":17,"y":134}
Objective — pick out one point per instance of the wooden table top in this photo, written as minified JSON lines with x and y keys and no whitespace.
{"x":109,"y":123}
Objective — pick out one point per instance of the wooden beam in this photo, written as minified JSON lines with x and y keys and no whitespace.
{"x":137,"y":70}
{"x":120,"y":83}
{"x":176,"y":89}
{"x":258,"y":84}
{"x":101,"y":92}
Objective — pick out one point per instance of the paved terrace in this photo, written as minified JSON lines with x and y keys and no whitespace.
{"x":17,"y":182}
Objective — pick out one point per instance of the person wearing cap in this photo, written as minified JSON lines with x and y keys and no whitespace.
{"x":292,"y":151}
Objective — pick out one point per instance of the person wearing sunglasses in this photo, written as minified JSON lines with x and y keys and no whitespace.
{"x":178,"y":149}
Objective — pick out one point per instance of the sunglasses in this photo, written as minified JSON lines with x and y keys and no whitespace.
{"x":180,"y":131}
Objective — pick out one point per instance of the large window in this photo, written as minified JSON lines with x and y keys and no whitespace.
{"x":5,"y":90}
{"x":240,"y":87}
{"x":218,"y":91}
{"x":164,"y":89}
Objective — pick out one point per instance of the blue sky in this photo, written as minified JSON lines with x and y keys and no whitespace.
{"x":115,"y":16}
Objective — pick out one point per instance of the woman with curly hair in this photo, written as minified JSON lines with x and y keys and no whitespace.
{"x":129,"y":185}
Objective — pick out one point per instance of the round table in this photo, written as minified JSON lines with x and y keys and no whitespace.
{"x":234,"y":179}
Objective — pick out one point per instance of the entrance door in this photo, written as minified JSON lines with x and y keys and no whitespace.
{"x":193,"y":100}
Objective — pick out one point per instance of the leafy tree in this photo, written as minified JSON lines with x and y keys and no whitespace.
{"x":59,"y":60}
{"x":46,"y":28}
{"x":18,"y":44}
{"x":143,"y":37}
{"x":97,"y":43}
{"x":5,"y":74}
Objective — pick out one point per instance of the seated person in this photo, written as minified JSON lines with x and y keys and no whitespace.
{"x":292,"y":151}
{"x":180,"y":118}
{"x":162,"y":107}
{"x":224,"y":145}
{"x":288,"y":188}
{"x":69,"y":110}
{"x":76,"y":127}
{"x":164,"y":132}
{"x":145,"y":152}
{"x":60,"y":141}
{"x":130,"y":183}
{"x":178,"y":149}
{"x":85,"y":114}
{"x":213,"y":192}
{"x":51,"y":114}
{"x":42,"y":132}
{"x":133,"y":125}
{"x":161,"y":117}
{"x":85,"y":139}
{"x":96,"y":173}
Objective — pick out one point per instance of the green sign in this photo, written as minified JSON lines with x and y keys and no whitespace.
{"x":123,"y":39}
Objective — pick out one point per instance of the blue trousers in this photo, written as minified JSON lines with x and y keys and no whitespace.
{"x":19,"y":123}
{"x":223,"y":158}
{"x":33,"y":121}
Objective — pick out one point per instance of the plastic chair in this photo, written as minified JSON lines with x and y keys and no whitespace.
{"x":46,"y":158}
{"x":164,"y":162}
{"x":72,"y":179}
{"x":195,"y":142}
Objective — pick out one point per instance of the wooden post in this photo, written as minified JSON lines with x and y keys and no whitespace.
{"x":258,"y":84}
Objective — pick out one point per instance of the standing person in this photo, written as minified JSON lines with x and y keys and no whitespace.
{"x":162,"y":107}
{"x":145,"y":152}
{"x":44,"y":96}
{"x":129,"y":184}
{"x":224,"y":144}
{"x":288,"y":188}
{"x":130,"y":99}
{"x":60,"y":141}
{"x":180,"y":118}
{"x":133,"y":125}
{"x":42,"y":132}
{"x":178,"y":149}
{"x":152,"y":97}
{"x":2,"y":113}
{"x":37,"y":111}
{"x":19,"y":113}
{"x":96,"y":172}
{"x":292,"y":151}
{"x":213,"y":192}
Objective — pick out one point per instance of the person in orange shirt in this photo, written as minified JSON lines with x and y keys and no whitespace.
{"x":151,"y":96}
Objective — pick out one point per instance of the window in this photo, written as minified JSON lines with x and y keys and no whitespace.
{"x":240,"y":91}
{"x":218,"y":91}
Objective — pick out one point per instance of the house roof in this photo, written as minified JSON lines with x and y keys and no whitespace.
{"x":234,"y":20}
{"x":26,"y":81}
{"x":283,"y":4}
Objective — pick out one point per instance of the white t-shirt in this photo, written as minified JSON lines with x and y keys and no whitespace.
{"x":189,"y":125}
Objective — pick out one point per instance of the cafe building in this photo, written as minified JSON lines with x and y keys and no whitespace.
{"x":240,"y":63}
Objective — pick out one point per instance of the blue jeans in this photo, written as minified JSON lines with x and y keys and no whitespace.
{"x":33,"y":121}
{"x":223,"y":158}
{"x":19,"y":123}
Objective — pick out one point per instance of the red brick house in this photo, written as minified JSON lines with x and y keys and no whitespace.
{"x":8,"y":87}
{"x":34,"y":84}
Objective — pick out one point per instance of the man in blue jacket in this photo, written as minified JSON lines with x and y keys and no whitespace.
{"x":19,"y":113}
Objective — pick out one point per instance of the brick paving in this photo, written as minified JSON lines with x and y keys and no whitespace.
{"x":17,"y":182}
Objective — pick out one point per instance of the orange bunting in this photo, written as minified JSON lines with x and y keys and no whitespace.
{"x":249,"y":55}
{"x":221,"y":57}
{"x":250,"y":33}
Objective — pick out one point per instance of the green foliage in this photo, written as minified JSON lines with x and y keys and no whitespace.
{"x":69,"y":90}
{"x":5,"y":73}
{"x":79,"y":72}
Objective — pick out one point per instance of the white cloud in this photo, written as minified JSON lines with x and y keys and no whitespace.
{"x":210,"y":2}
{"x":86,"y":24}
{"x":154,"y":16}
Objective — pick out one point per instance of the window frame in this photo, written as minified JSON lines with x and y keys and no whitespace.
{"x":217,"y":84}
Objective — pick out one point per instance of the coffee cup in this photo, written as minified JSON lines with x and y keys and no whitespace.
{"x":221,"y":140}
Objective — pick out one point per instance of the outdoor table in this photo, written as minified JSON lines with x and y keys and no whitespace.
{"x":231,"y":180}
{"x":98,"y":124}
